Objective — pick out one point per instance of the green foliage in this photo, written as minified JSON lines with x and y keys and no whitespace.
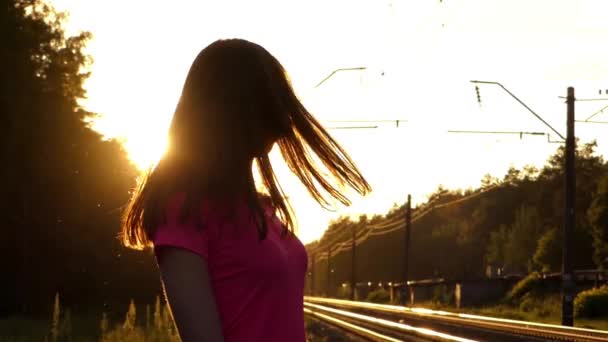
{"x":163,"y":329}
{"x":67,"y":324}
{"x":540,"y":305}
{"x":598,"y":218}
{"x":56,"y":321}
{"x":168,"y":322}
{"x":509,"y":224}
{"x":495,"y":254}
{"x":344,"y":292}
{"x":24,"y":329}
{"x":592,"y":303}
{"x":513,"y":246}
{"x":65,"y":186}
{"x":489,"y":181}
{"x":548,"y":253}
{"x":379,"y":295}
{"x":531,"y":283}
{"x":158,"y":321}
{"x":545,"y":309}
{"x":130,"y":317}
{"x":522,"y":239}
{"x":318,"y":331}
{"x":148,"y":316}
{"x":122,"y":334}
{"x":442,"y":295}
{"x":61,"y":322}
{"x":527,"y":303}
{"x":104,"y":325}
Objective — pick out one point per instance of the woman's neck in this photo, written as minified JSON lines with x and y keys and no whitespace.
{"x":236,"y":179}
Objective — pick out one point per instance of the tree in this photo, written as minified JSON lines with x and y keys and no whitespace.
{"x":65,"y":186}
{"x":530,"y":172}
{"x":548,"y":255}
{"x":513,"y":176}
{"x":489,"y":181}
{"x":495,"y":254}
{"x":598,"y":218}
{"x":522,"y":239}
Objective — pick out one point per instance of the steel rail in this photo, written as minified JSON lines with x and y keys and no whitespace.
{"x":499,"y":325}
{"x":368,"y":326}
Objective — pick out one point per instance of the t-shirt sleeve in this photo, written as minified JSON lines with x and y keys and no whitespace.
{"x":185,"y":234}
{"x":182,"y":235}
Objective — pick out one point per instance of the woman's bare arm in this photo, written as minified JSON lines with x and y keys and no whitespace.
{"x":190,"y":295}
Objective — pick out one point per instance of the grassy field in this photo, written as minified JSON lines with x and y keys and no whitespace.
{"x":546,"y":310}
{"x":20,"y":329}
{"x":152,"y":323}
{"x":510,"y":312}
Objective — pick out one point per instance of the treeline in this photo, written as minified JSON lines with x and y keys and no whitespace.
{"x":64,"y":188}
{"x":513,"y":224}
{"x":63,"y":185}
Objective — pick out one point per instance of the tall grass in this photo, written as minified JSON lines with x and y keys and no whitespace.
{"x":162,"y":330}
{"x":157,"y":326}
{"x":61,"y":323}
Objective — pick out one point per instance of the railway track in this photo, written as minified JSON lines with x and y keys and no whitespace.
{"x":399,"y":323}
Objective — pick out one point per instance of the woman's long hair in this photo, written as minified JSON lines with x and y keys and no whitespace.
{"x":236,"y":103}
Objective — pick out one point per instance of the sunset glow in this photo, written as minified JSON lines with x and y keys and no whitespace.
{"x":419,"y":58}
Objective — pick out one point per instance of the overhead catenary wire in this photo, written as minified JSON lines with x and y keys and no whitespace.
{"x":398,"y":223}
{"x":371,"y":230}
{"x":594,"y":114}
{"x":592,"y":122}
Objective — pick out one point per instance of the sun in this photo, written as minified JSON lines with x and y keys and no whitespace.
{"x":139,"y":118}
{"x":145,"y":150}
{"x":144,"y":139}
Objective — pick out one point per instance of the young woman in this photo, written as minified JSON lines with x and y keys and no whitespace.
{"x":231,"y":269}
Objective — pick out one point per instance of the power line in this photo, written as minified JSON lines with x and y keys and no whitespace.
{"x":338,"y":234}
{"x":358,"y":123}
{"x":352,"y":127}
{"x":585,"y":100}
{"x":398,"y":224}
{"x":521,"y":134}
{"x":366,"y":121}
{"x":594,"y":114}
{"x":592,"y":122}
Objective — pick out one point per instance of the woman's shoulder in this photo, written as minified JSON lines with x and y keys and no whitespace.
{"x":216,"y":211}
{"x":199,"y":205}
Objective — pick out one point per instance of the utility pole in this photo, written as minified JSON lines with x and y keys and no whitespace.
{"x":406,"y":261}
{"x":328,"y":270}
{"x":353,"y":279}
{"x":568,"y":281}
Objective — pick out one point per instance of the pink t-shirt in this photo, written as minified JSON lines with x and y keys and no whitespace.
{"x":258,"y":285}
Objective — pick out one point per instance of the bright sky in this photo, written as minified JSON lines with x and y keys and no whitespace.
{"x":419,"y":55}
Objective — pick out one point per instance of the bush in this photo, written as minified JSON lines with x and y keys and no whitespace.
{"x":379,"y":295}
{"x":343,"y":292}
{"x":531,"y":283}
{"x":592,"y":303}
{"x":550,"y":306}
{"x":528,"y":303}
